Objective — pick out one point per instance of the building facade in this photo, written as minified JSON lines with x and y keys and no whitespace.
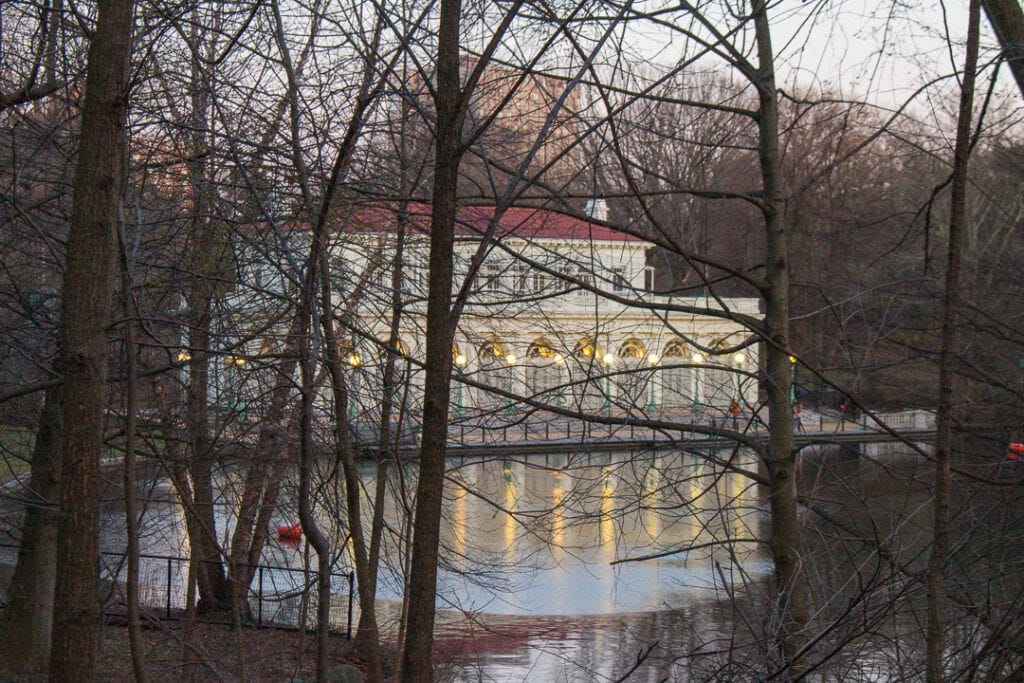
{"x":560,"y":313}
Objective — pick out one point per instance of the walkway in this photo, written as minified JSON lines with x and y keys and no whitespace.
{"x":544,"y":433}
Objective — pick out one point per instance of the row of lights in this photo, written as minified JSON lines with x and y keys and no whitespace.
{"x":738,"y":359}
{"x":184,"y":357}
{"x":355,"y":360}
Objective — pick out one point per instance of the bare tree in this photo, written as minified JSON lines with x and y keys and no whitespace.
{"x":87,"y":291}
{"x":947,"y":396}
{"x":1007,"y":19}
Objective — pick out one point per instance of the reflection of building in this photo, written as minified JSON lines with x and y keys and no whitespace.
{"x":560,"y":311}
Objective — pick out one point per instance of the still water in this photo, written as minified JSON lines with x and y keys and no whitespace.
{"x":557,"y":567}
{"x":565,"y":534}
{"x":650,"y":566}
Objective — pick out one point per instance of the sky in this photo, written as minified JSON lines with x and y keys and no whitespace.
{"x":881,"y":50}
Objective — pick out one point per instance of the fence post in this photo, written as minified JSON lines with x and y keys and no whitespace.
{"x":547,"y":435}
{"x":348,"y":627}
{"x":170,"y":568}
{"x":259,"y":618}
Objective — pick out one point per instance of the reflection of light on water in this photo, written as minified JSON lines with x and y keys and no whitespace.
{"x":459,"y":525}
{"x":695,"y":503}
{"x":565,"y":528}
{"x":557,"y":517}
{"x":735,"y":506}
{"x":510,"y":520}
{"x":652,"y":521}
{"x":607,"y":522}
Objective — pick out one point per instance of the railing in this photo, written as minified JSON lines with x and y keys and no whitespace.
{"x":476,"y":432}
{"x":281,"y":597}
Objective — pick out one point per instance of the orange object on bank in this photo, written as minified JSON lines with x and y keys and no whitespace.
{"x":289,"y":532}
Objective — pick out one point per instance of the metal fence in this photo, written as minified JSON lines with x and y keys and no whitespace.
{"x":279,"y":596}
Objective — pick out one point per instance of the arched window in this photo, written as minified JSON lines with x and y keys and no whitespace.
{"x":676,"y":348}
{"x":541,"y":348}
{"x":399,"y":348}
{"x":492,"y":351}
{"x":632,"y":348}
{"x":585,"y":348}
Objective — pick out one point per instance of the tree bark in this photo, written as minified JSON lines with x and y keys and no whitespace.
{"x":131,"y":504}
{"x":935,"y":668}
{"x":786,"y":543}
{"x":87,"y":291}
{"x":1007,"y":20}
{"x":416,"y":660}
{"x":207,"y":254}
{"x":27,"y":621}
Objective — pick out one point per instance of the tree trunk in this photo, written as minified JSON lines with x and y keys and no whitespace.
{"x":786,"y":543}
{"x":310,"y":528}
{"x":367,"y":634}
{"x":264,"y":471}
{"x":1007,"y":20}
{"x":28,"y":618}
{"x":211,"y":582}
{"x":416,"y":660}
{"x":131,"y":506}
{"x":87,"y":291}
{"x":205,"y":265}
{"x":935,"y":668}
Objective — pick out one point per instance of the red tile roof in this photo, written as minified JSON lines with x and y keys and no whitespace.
{"x":521,"y":222}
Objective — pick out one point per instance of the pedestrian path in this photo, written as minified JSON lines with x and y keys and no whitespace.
{"x":542,"y":432}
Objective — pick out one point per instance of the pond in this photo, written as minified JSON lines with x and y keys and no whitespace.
{"x":575,"y":566}
{"x":557,"y":539}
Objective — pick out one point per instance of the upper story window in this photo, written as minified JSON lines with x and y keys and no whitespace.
{"x":541,"y":282}
{"x":520,"y":278}
{"x":586,"y":278}
{"x":490,"y":277}
{"x":566,"y":283}
{"x":619,"y":281}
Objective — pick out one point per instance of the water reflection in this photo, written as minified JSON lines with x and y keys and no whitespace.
{"x":551,"y":535}
{"x":566,"y":528}
{"x":535,"y":548}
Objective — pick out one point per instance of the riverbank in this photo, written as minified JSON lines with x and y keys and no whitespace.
{"x":215,"y":652}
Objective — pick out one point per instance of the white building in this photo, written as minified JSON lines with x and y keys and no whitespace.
{"x":561,"y":311}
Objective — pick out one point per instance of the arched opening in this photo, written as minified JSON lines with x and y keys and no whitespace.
{"x":719,"y":379}
{"x":544,"y":370}
{"x":460,"y":391}
{"x":584,"y":370}
{"x":633,"y":382}
{"x":497,"y":366}
{"x":677,"y":381}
